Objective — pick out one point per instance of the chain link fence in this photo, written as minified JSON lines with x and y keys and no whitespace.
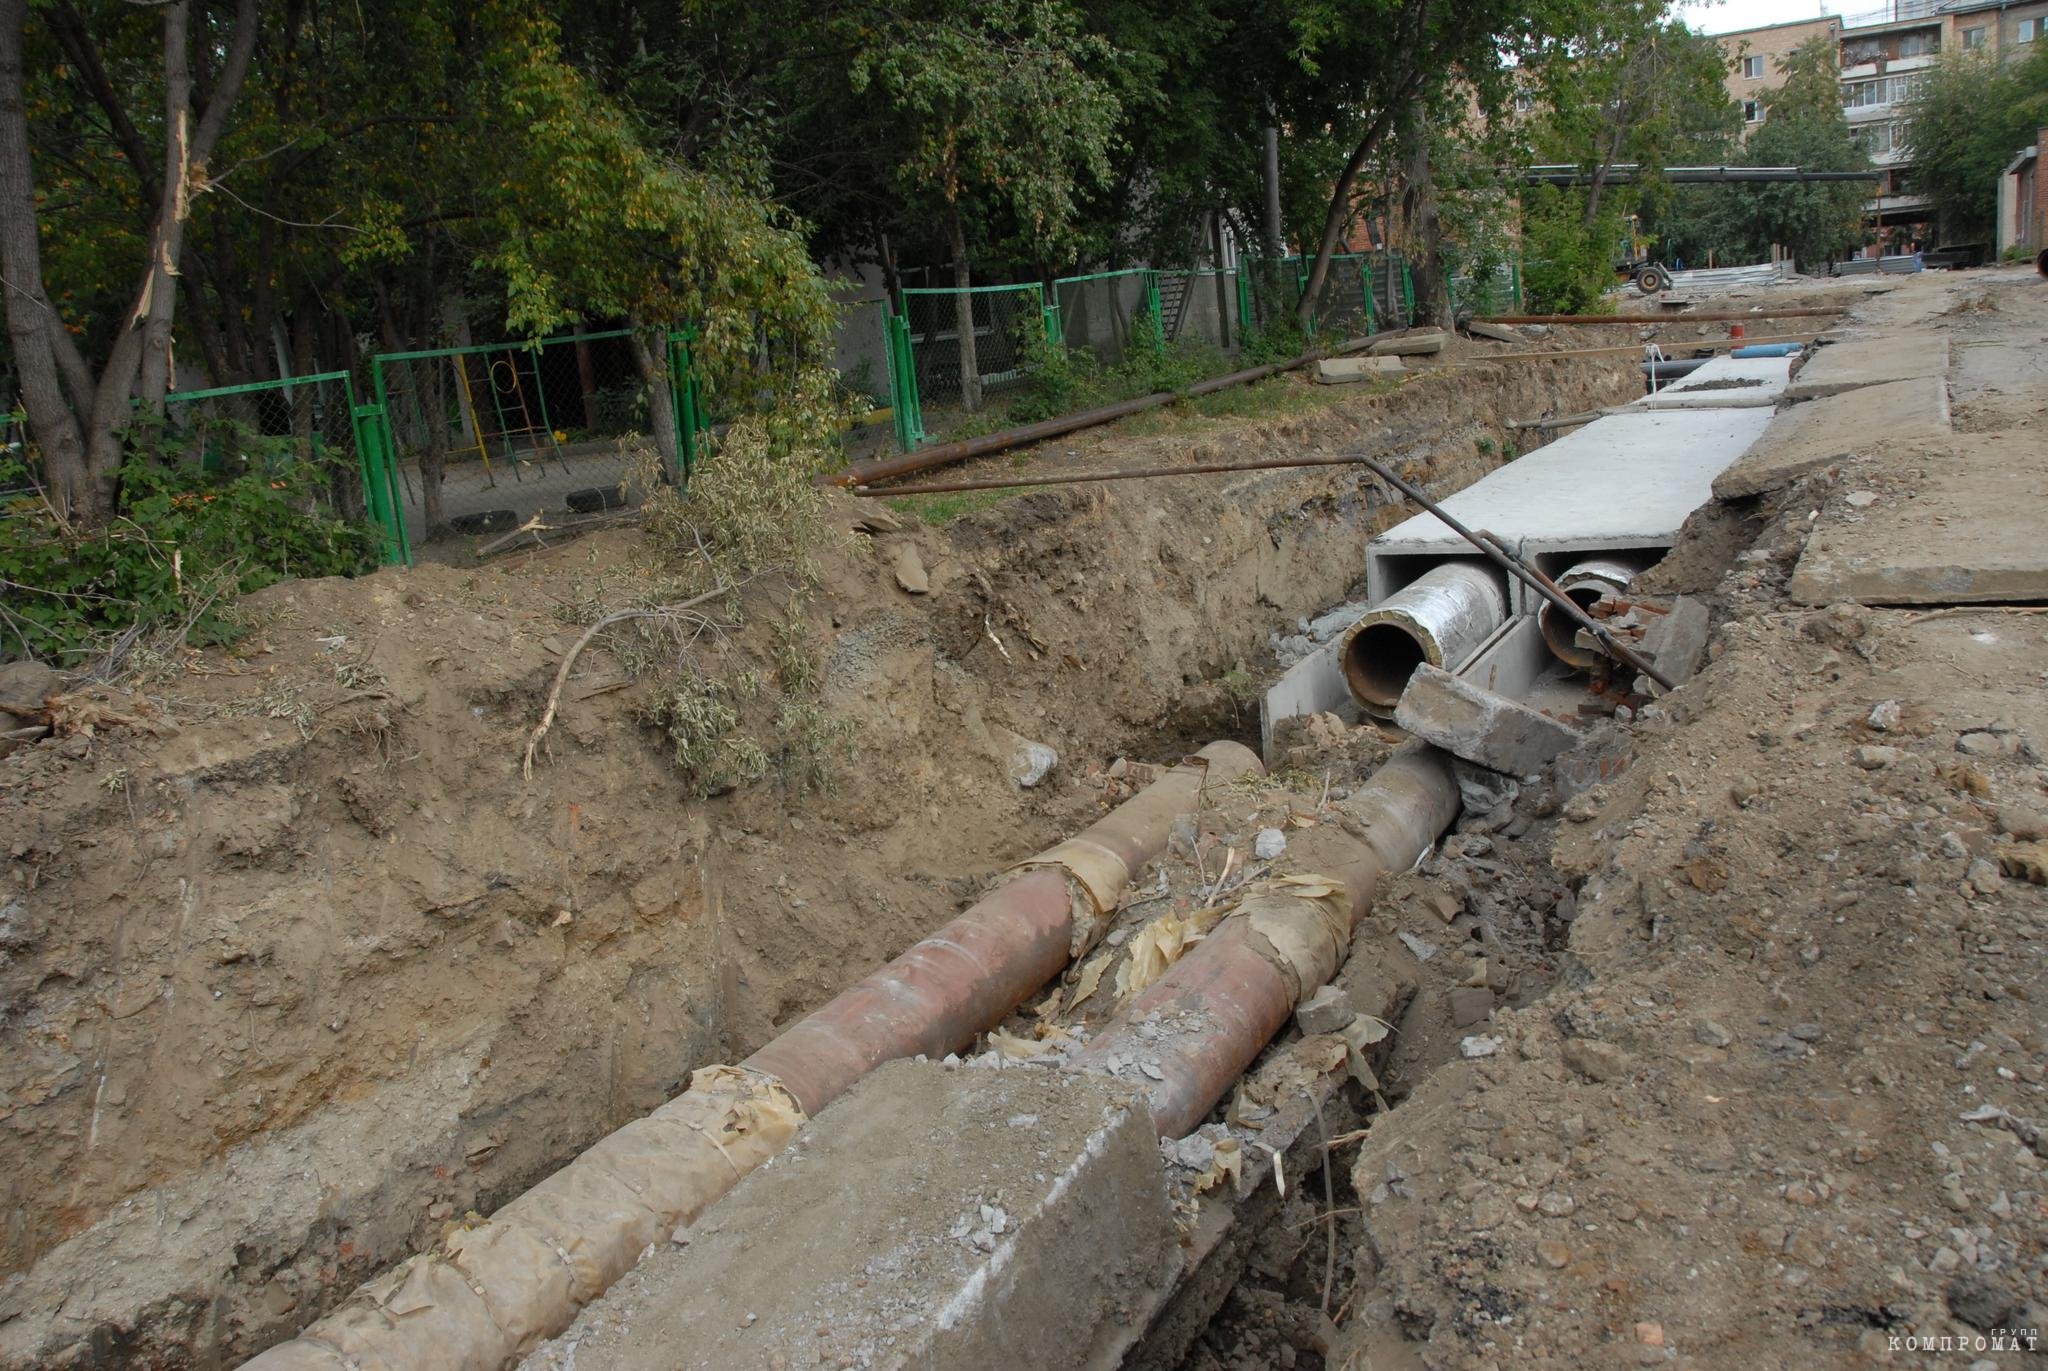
{"x":1102,"y":313}
{"x":305,"y":422}
{"x":485,"y":438}
{"x":966,"y":346}
{"x":1498,"y":291}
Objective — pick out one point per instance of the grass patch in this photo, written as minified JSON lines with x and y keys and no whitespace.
{"x":936,"y":511}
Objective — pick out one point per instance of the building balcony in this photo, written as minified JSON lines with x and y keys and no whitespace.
{"x":1866,"y":114}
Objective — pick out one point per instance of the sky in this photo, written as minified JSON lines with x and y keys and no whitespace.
{"x":1748,"y":14}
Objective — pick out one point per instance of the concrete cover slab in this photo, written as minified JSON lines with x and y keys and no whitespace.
{"x":1870,"y":362}
{"x":931,"y":1218}
{"x":1740,"y":379}
{"x":1971,"y":533}
{"x":1807,"y":437}
{"x":1625,"y":481}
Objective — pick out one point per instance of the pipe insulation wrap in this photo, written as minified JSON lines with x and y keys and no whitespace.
{"x":488,"y":1292}
{"x":1204,"y":1022}
{"x":1441,"y":618}
{"x":1585,"y":584}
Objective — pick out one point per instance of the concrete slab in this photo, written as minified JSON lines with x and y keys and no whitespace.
{"x":1870,"y":362}
{"x":1960,"y":523}
{"x":1740,"y":380}
{"x":1806,"y":437}
{"x":1313,"y":685}
{"x":1625,"y":481}
{"x":1341,"y":371}
{"x":1479,"y":726}
{"x":931,"y":1218}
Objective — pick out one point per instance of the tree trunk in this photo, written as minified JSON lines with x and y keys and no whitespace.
{"x":1339,"y":212}
{"x":1223,"y":301}
{"x":1276,"y":237}
{"x":963,"y":313}
{"x":32,"y":321}
{"x":1425,"y":232}
{"x":892,"y":280}
{"x":166,"y":241}
{"x":650,"y":356}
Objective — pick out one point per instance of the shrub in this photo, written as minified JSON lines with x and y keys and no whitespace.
{"x":183,"y":544}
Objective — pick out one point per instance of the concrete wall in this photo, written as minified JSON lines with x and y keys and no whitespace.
{"x":1773,"y":43}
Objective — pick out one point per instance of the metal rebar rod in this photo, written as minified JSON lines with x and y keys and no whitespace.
{"x":1519,"y":569}
{"x":1113,"y":474}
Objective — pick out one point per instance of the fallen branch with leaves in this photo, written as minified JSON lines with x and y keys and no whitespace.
{"x":547,"y":717}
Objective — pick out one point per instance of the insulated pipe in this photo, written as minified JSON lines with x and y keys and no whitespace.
{"x":1204,"y":1022}
{"x":487,"y":1292}
{"x":1586,"y":584}
{"x":1442,"y":618}
{"x":967,"y":976}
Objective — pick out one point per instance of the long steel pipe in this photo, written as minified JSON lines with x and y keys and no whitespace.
{"x":1204,"y":1022}
{"x":974,"y":971}
{"x":1442,"y":618}
{"x":1684,"y":317}
{"x":484,"y":1295}
{"x":960,"y":450}
{"x":1585,"y":584}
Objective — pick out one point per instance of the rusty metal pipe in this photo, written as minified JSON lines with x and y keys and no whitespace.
{"x":1637,"y":320}
{"x":946,"y":454}
{"x":484,"y":1295}
{"x":1207,"y":1019}
{"x":970,"y":974}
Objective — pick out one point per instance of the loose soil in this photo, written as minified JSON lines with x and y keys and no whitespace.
{"x":307,"y":970}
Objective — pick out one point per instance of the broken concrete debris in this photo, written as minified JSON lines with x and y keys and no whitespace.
{"x":1479,"y":726}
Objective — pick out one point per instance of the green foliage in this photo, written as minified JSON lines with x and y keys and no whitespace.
{"x":809,"y":744}
{"x":700,"y":719}
{"x":999,"y":103}
{"x":183,"y":545}
{"x":1968,"y":118}
{"x":754,"y":507}
{"x":1062,"y":380}
{"x":1803,"y":126}
{"x":1570,"y":264}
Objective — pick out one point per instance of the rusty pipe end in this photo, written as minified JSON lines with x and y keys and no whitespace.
{"x":1441,"y":618}
{"x":1585,"y":584}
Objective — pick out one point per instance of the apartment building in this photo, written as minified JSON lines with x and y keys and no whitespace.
{"x":1884,"y":54}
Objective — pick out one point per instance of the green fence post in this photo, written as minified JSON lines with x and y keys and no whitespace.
{"x":903,"y":363}
{"x":683,"y":405}
{"x":1055,"y":327}
{"x":1153,"y":303}
{"x":1515,"y":276}
{"x":1244,"y":298}
{"x":378,"y":457}
{"x":1408,"y":293}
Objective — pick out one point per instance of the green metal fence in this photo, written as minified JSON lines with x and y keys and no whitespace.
{"x":966,"y":345}
{"x":1105,"y":313}
{"x":1499,"y":291}
{"x":305,"y":420}
{"x":487,"y":436}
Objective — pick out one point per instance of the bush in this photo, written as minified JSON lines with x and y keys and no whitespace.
{"x":1568,"y":266}
{"x":183,"y":544}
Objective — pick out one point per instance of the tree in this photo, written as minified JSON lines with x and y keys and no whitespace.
{"x":1804,"y":127}
{"x":76,"y":412}
{"x":1002,"y":109}
{"x":1965,"y":122}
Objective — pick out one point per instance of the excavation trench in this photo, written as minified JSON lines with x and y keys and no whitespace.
{"x":321,"y":976}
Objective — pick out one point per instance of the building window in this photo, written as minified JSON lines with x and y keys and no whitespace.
{"x":2028,"y":31}
{"x":1752,"y":111}
{"x":1752,"y":68}
{"x":1925,"y":44}
{"x":1973,"y":38}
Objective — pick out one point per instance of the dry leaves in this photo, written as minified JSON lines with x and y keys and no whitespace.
{"x":1227,"y":1164}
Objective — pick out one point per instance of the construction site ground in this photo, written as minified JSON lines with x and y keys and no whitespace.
{"x":1730,"y":1059}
